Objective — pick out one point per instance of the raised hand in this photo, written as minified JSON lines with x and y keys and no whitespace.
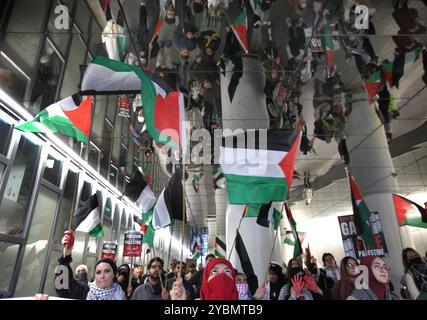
{"x":297,"y":284}
{"x":68,"y":241}
{"x":310,"y":283}
{"x":178,"y":291}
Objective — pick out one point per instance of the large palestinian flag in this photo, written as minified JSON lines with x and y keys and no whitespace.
{"x":69,"y":116}
{"x":258,"y":165}
{"x":361,"y":214}
{"x":163,"y":109}
{"x":409,"y":213}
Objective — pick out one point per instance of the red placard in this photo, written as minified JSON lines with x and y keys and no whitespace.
{"x":133,"y":244}
{"x":109,"y":250}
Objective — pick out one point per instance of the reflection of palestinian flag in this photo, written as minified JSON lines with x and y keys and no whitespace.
{"x":87,"y":218}
{"x":140,"y":193}
{"x":240,"y":28}
{"x":69,"y":116}
{"x":163,"y":110}
{"x":372,"y":85}
{"x":196,"y":251}
{"x":220,"y":248}
{"x":328,"y":46}
{"x":395,"y":66}
{"x":259,"y":172}
{"x":409,"y":213}
{"x":159,"y":26}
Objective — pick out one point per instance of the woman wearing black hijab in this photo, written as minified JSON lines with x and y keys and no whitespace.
{"x":275,"y":288}
{"x":123,"y":279}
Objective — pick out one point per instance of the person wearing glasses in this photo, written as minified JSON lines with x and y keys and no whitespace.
{"x":378,"y":281}
{"x":343,"y":287}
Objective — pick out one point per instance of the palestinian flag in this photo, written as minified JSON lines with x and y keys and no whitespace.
{"x":261,"y":171}
{"x":156,"y":31}
{"x":69,"y":116}
{"x":163,"y":109}
{"x":293,"y":225}
{"x":87,"y":218}
{"x":140,"y":193}
{"x":196,"y":251}
{"x":362,"y":214}
{"x":169,"y":205}
{"x":394,"y":67}
{"x":372,"y":85}
{"x":265,"y":213}
{"x":240,"y":29}
{"x":328,"y":47}
{"x":409,"y":213}
{"x":148,"y":237}
{"x":289,"y":237}
{"x":106,"y":9}
{"x":220,"y":248}
{"x":387,"y":68}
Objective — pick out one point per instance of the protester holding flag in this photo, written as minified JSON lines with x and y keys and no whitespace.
{"x":378,"y":280}
{"x":415,"y":274}
{"x":344,"y":286}
{"x":328,"y":275}
{"x":76,"y":289}
{"x":152,"y":288}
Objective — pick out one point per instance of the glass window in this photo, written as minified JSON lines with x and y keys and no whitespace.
{"x":107,"y":230}
{"x":65,"y":206}
{"x":121,"y":179}
{"x":46,"y":82}
{"x":49,"y":285}
{"x":95,"y":38}
{"x":116,"y":138}
{"x":27,"y":15}
{"x":78,"y":250}
{"x":36,"y":249}
{"x":108,"y":207}
{"x":116,"y":224}
{"x":112,"y":108}
{"x":86,"y":192}
{"x":105,"y":149}
{"x":91,"y":262}
{"x":91,"y":245}
{"x":129,"y":161}
{"x":2,"y":167}
{"x":82,"y":19}
{"x":94,"y":155}
{"x":52,"y":171}
{"x":113,"y":175}
{"x":13,"y":206}
{"x":76,"y":57}
{"x":12,"y":80}
{"x":5,"y":134}
{"x":8,"y":256}
{"x":99,"y":119}
{"x":60,"y":36}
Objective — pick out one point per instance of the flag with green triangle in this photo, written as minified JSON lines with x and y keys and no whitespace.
{"x":196,"y":251}
{"x":328,"y":46}
{"x":148,"y":237}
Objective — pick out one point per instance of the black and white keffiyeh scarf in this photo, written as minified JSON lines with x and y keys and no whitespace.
{"x":113,"y":293}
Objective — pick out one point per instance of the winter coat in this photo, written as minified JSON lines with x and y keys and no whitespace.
{"x":77,"y":290}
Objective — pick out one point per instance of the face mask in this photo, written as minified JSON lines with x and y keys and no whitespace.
{"x":221,"y":287}
{"x":82,"y":277}
{"x":243,"y":290}
{"x":185,"y":58}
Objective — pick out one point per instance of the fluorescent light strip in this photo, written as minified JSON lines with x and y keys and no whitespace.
{"x":24,"y":114}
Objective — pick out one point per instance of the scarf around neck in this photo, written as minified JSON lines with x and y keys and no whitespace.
{"x":113,"y":293}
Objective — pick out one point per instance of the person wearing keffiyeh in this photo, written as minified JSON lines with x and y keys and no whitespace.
{"x":105,"y":286}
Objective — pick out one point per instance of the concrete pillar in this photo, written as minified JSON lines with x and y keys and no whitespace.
{"x":247,"y":110}
{"x":372,"y":168}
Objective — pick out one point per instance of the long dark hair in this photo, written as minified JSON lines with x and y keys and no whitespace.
{"x":405,"y":257}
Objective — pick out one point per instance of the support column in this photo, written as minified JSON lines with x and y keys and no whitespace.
{"x":373,"y":170}
{"x":247,"y":110}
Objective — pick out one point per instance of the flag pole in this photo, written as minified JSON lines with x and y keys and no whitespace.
{"x":169,"y":250}
{"x":160,"y":276}
{"x":237,"y":231}
{"x":271,"y":254}
{"x":183,"y":210}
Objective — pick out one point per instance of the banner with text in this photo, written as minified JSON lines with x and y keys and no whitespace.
{"x":109,"y":250}
{"x":133,"y":244}
{"x":354,"y":245}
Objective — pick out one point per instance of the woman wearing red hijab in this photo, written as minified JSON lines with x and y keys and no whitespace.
{"x":378,"y":281}
{"x":219,"y":280}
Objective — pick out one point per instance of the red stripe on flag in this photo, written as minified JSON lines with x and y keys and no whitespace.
{"x":167,"y":116}
{"x":354,"y":189}
{"x":157,"y":29}
{"x":241,"y":33}
{"x":245,"y":209}
{"x":81,"y":116}
{"x":288,"y":162}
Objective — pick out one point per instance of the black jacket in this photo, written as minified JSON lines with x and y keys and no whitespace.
{"x":77,"y":290}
